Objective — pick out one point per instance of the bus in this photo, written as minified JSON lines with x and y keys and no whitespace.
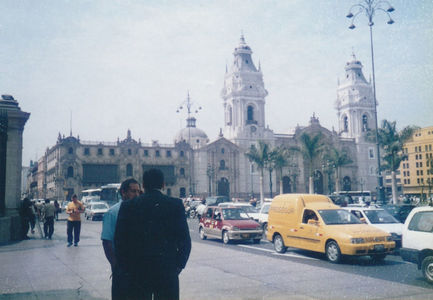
{"x":110,"y":193}
{"x":90,"y":195}
{"x":352,"y":197}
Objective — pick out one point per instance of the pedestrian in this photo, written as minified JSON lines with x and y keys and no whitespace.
{"x":57,"y":209}
{"x":152,"y":242}
{"x":129,"y":189}
{"x":27,"y":217}
{"x":48,"y":213}
{"x":74,"y":209}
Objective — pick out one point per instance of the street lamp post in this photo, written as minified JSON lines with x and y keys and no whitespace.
{"x":190,"y":121}
{"x":370,"y":7}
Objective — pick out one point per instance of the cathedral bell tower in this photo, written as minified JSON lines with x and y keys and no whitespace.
{"x":244,"y":98}
{"x":355,"y":104}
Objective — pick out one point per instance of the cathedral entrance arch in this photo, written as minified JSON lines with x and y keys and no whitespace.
{"x":287,"y":185}
{"x":347,"y":184}
{"x":318,"y":182}
{"x":223,"y":187}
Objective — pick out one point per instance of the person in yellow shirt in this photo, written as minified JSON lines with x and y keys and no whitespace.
{"x":74,"y":209}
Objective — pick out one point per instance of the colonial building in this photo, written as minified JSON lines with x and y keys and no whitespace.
{"x":196,"y":165}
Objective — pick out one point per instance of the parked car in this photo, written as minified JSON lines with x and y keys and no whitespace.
{"x":381,"y":219}
{"x":250,"y":210}
{"x":96,"y":210}
{"x":399,"y":211}
{"x":418,"y":240}
{"x":228,"y":223}
{"x":262,"y":217}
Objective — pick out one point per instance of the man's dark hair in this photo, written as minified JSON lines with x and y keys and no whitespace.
{"x":47,"y":200}
{"x":153,"y":179}
{"x":125,"y":185}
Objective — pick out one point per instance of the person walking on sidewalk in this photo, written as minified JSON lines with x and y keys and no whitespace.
{"x":152,"y":242}
{"x":48,"y":212}
{"x":57,"y":209}
{"x":129,"y":189}
{"x":74,"y":210}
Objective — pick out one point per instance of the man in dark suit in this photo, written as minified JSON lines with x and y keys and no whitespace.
{"x":152,"y":241}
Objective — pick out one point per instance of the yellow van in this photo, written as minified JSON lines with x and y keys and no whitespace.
{"x":314,"y":222}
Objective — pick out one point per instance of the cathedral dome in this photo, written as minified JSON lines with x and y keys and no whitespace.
{"x":191,"y":134}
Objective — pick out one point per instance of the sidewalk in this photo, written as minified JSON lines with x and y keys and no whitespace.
{"x":47,"y":269}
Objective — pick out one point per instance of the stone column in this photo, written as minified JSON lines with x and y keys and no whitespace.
{"x":10,"y":224}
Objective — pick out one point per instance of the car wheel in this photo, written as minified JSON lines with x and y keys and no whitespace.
{"x":378,"y":257}
{"x":256,"y":241}
{"x":333,"y":252}
{"x":427,"y":268}
{"x":226,"y":238}
{"x":279,"y":244}
{"x":201,"y":233}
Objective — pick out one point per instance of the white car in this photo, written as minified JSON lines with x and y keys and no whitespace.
{"x":379,"y":218}
{"x":96,"y":210}
{"x":418,"y":240}
{"x":263,"y":216}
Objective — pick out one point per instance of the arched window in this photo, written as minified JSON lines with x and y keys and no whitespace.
{"x":222,"y":164}
{"x":345,"y":124}
{"x":364,"y":123}
{"x":129,"y":172}
{"x":129,"y":152}
{"x":182,"y":192}
{"x":250,"y":113}
{"x":70,"y":172}
{"x":71,"y":150}
{"x":182,"y":172}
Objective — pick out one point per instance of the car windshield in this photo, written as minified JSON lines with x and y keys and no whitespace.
{"x":234,"y":214}
{"x":338,"y":217}
{"x":99,"y":206}
{"x":380,"y":216}
{"x":249,"y":209}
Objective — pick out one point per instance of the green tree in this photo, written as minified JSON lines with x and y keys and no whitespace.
{"x":391,"y":141}
{"x":338,"y":158}
{"x":312,"y":147}
{"x":259,"y":156}
{"x":279,"y":158}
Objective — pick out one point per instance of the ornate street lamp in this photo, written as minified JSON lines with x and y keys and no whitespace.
{"x":370,"y":7}
{"x":190,"y":123}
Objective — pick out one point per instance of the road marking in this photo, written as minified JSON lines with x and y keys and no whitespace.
{"x":279,"y":254}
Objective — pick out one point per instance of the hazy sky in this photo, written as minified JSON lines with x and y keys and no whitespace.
{"x":128,"y":64}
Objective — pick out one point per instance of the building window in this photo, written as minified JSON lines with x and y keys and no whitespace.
{"x":182,"y":154}
{"x":129,"y":171}
{"x":420,"y":164}
{"x":426,"y":148}
{"x":168,"y":153}
{"x":371,"y":153}
{"x":182,"y":192}
{"x":157,"y":153}
{"x":222,"y":164}
{"x":70,"y":172}
{"x":416,"y":164}
{"x":129,"y":152}
{"x":100,"y":151}
{"x":345,"y":124}
{"x":182,"y":172}
{"x":71,"y":150}
{"x":364,"y":123}
{"x":112,"y":152}
{"x":408,"y":181}
{"x":86,"y":151}
{"x":420,"y":156}
{"x":222,"y":150}
{"x":146,"y":152}
{"x":250,"y":113}
{"x":417,"y":172}
{"x":197,"y":141}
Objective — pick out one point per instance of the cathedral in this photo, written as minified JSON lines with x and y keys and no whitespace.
{"x":195,"y":165}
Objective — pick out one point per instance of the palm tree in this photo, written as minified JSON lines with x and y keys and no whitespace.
{"x":278,"y":158}
{"x":311,"y":147}
{"x":338,"y":159}
{"x":259,"y":156}
{"x":392,"y":141}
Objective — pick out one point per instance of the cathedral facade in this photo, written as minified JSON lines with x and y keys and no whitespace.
{"x":193,"y":164}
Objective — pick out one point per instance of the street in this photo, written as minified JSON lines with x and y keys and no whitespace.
{"x":47,"y":269}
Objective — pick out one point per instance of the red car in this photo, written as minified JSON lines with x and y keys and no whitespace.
{"x":229,"y":223}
